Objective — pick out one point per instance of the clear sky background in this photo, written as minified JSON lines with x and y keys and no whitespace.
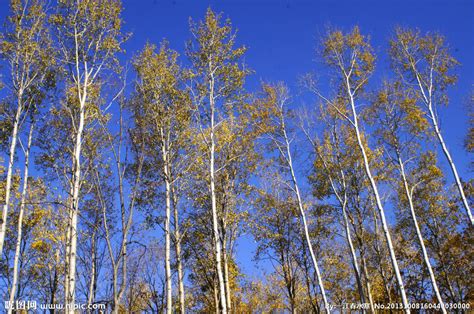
{"x":282,"y":36}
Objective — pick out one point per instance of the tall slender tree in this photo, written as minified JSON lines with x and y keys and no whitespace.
{"x":351,"y":58}
{"x":403,"y":124}
{"x":333,"y":158}
{"x":26,"y":48}
{"x":425,"y":60}
{"x":217,"y":80}
{"x":277,"y":99}
{"x":163,"y":109}
{"x":16,"y":265}
{"x":89,"y":37}
{"x":275,"y":226}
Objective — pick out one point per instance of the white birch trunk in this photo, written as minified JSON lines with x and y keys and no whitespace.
{"x":428,"y":99}
{"x":20,"y":221}
{"x":215,"y":224}
{"x":420,"y":236}
{"x":179,"y":262}
{"x":226,"y":274}
{"x":70,"y":284}
{"x":368,"y":285}
{"x":302,"y":213}
{"x":16,"y":125}
{"x":92,"y":283}
{"x":182,"y":305}
{"x":169,"y":291}
{"x":355,"y":263}
{"x":378,"y":201}
{"x":68,"y":249}
{"x":216,"y":297}
{"x":452,"y":165}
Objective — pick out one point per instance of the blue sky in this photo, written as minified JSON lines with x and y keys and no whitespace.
{"x":282,"y":36}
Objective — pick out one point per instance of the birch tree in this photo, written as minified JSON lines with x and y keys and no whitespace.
{"x":126,"y":147}
{"x":23,"y":196}
{"x":237,"y":159}
{"x":395,"y":109}
{"x":425,"y":62}
{"x":26,"y":49}
{"x":334,"y":155}
{"x":164,"y":111}
{"x":447,"y":238}
{"x":281,"y":139}
{"x":92,"y":257}
{"x":37,"y":241}
{"x":275,"y":226}
{"x":217,"y":80}
{"x":351,"y":58}
{"x":89,"y":37}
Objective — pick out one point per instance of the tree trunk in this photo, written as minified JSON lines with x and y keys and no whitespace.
{"x":68,"y":248}
{"x":119,"y":260}
{"x":16,"y":125}
{"x":343,"y":204}
{"x":216,"y":297}
{"x":169,"y":291}
{"x":303,"y":215}
{"x":226,"y":272}
{"x":360,"y":242}
{"x":367,"y":285}
{"x":123,"y":257}
{"x":179,"y":262}
{"x":379,"y":253}
{"x":76,"y":181}
{"x":215,"y":224}
{"x":54,"y":284}
{"x":115,"y":292}
{"x":419,"y":235}
{"x":378,"y":201}
{"x":452,"y":165}
{"x":92,"y":283}
{"x":20,"y":220}
{"x":308,"y":282}
{"x":427,"y":97}
{"x":355,"y":263}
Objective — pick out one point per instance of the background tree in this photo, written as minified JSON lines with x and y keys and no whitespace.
{"x":275,"y":228}
{"x":26,"y":48}
{"x":425,"y":60}
{"x":276,"y":103}
{"x":403,"y":123}
{"x":350,"y":56}
{"x":333,"y":166}
{"x":89,"y":37}
{"x":164,"y":112}
{"x":149,"y":186}
{"x":217,"y":80}
{"x":23,"y":196}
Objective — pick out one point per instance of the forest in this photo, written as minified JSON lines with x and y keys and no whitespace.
{"x":127,"y":180}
